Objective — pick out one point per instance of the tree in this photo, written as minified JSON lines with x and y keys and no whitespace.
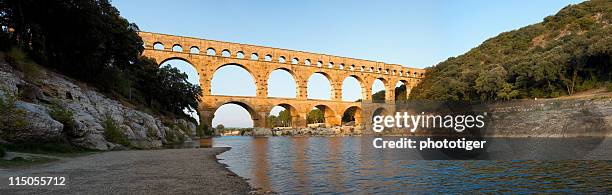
{"x":567,"y":53}
{"x":89,"y":40}
{"x":220,"y":127}
{"x":489,"y":82}
{"x":315,"y":116}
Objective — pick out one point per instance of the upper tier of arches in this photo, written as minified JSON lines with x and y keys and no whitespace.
{"x":240,"y":51}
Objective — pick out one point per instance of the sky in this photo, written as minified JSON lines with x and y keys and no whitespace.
{"x":412,"y":33}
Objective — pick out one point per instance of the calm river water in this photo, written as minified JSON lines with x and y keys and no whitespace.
{"x":298,"y":165}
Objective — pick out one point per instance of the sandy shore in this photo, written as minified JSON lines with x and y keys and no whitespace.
{"x":171,"y":171}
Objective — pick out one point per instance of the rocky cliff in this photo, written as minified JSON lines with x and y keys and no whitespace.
{"x":30,"y":106}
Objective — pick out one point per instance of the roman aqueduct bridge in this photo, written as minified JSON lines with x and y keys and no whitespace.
{"x":207,"y":56}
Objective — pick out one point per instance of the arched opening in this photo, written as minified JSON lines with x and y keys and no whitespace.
{"x":378,"y":91}
{"x":177,"y":48}
{"x":281,"y":59}
{"x":352,"y":67}
{"x":319,"y":87}
{"x":282,"y":115}
{"x":158,"y":46}
{"x":233,"y":79}
{"x":295,"y":61}
{"x":307,"y":62}
{"x":378,"y":112}
{"x":281,"y":84}
{"x":319,"y":64}
{"x":321,"y":114}
{"x":192,"y":77}
{"x":240,"y":55}
{"x":352,"y":89}
{"x":341,"y":67}
{"x":401,"y":91}
{"x":226,"y":53}
{"x":330,"y":65}
{"x":352,"y":116}
{"x":233,"y":116}
{"x":211,"y":52}
{"x":268,"y":58}
{"x":194,"y":50}
{"x":254,"y":56}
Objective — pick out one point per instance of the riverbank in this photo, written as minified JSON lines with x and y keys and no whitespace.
{"x":167,"y":171}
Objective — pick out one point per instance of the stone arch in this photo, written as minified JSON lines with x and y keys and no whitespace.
{"x":226,"y":53}
{"x":194,"y":50}
{"x":330,"y":81}
{"x":357,"y":115}
{"x":176,"y":58}
{"x":268,"y":58}
{"x":380,"y":111}
{"x":330,"y":116}
{"x":239,"y":54}
{"x":257,"y":120}
{"x":295,"y":116}
{"x":282,"y":59}
{"x":211,"y":51}
{"x":402,"y":90}
{"x":177,"y":48}
{"x":254,"y":56}
{"x":158,"y":46}
{"x":293,"y":77}
{"x":385,"y":84}
{"x":362,"y":88}
{"x":246,"y":68}
{"x":307,"y":62}
{"x":295,"y":61}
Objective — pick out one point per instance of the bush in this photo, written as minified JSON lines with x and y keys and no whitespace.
{"x":113,"y":133}
{"x":12,"y":118}
{"x":62,"y":115}
{"x":21,"y":62}
{"x":173,"y":137}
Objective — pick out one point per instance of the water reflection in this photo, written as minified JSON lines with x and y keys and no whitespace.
{"x":260,"y":162}
{"x":341,"y":165}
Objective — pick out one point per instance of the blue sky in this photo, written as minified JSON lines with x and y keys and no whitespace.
{"x":411,"y":33}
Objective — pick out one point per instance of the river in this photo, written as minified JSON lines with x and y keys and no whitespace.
{"x":290,"y":165}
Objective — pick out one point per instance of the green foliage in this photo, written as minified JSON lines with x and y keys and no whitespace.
{"x":19,"y":60}
{"x":12,"y":118}
{"x":220,"y":127}
{"x":166,"y":88}
{"x":62,"y":115}
{"x":567,"y":53}
{"x":173,"y":137}
{"x":89,"y":40}
{"x":282,"y":120}
{"x":315,"y":116}
{"x":113,"y":133}
{"x":378,"y":97}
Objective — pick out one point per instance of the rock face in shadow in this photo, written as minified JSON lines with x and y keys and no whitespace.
{"x":90,"y":109}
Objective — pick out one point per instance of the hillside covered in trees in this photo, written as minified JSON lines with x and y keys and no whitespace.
{"x":566,"y":53}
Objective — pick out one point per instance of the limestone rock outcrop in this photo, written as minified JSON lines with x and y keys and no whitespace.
{"x":90,"y":110}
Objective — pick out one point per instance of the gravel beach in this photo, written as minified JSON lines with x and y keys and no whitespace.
{"x":168,"y":171}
